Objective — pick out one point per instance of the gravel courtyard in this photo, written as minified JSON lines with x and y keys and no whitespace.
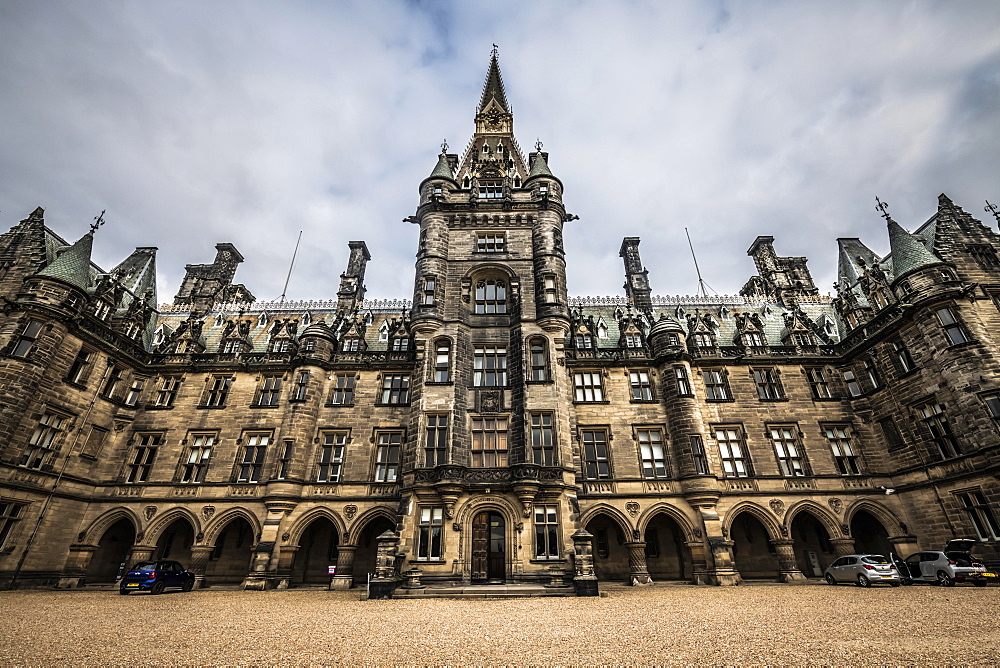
{"x":671,"y":624}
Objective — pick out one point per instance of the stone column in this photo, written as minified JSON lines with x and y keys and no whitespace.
{"x":139,"y":553}
{"x":199,"y":563}
{"x":385,"y":580}
{"x":903,"y":546}
{"x":260,"y":564}
{"x":585,"y":580}
{"x":788,"y":570}
{"x":843,"y":546}
{"x":345,"y":567}
{"x":699,"y":562}
{"x":638,"y":571}
{"x":75,"y":571}
{"x":286,"y":559}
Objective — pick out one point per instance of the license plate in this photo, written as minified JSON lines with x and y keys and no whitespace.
{"x":989,"y":575}
{"x":888,"y":577}
{"x":134,"y":584}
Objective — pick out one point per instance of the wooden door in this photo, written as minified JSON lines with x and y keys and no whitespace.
{"x":480,"y":546}
{"x":496,"y":567}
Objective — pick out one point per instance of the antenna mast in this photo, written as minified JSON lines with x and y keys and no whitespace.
{"x":702,"y":292}
{"x":287,"y":278}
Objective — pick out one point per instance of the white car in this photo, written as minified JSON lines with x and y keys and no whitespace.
{"x":946,"y":569}
{"x":863,"y":570}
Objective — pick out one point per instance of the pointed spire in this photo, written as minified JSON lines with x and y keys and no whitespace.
{"x":442,"y":170}
{"x":493,"y":88}
{"x":73,"y":264}
{"x":908,"y":254}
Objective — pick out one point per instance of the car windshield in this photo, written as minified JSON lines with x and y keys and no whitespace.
{"x":874,"y":559}
{"x":145,"y":566}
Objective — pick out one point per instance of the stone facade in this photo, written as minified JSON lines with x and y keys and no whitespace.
{"x":491,"y":428}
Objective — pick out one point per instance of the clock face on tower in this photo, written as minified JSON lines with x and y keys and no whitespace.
{"x":493,"y":119}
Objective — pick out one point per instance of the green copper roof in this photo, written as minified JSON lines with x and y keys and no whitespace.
{"x":73,"y":264}
{"x":539,"y":167}
{"x":907,"y":251}
{"x":442,"y":170}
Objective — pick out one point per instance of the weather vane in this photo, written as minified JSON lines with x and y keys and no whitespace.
{"x":992,"y":208}
{"x":98,"y":221}
{"x":538,"y":145}
{"x":444,"y":146}
{"x":883,"y":207}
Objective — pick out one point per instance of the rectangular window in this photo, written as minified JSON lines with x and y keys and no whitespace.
{"x":396,"y":388}
{"x":642,"y":389}
{"x":490,"y":366}
{"x":787,"y":450}
{"x":491,"y":296}
{"x":698,"y":455}
{"x":984,"y":255}
{"x":436,"y":448}
{"x":429,"y":533}
{"x":817,"y":383}
{"x":583,"y":341}
{"x":872,"y":372}
{"x":842,"y":449}
{"x":251,"y":462}
{"x":95,"y":442}
{"x":934,"y":419}
{"x":654,"y":460}
{"x":285,"y":460}
{"x":308,"y":346}
{"x":853,"y":386}
{"x":903,"y":359}
{"x":167,"y":391}
{"x":596,"y":460}
{"x":489,"y":442}
{"x":134,"y":391}
{"x":702,"y":340}
{"x":80,"y":369}
{"x":428,"y":297}
{"x":952,"y":327}
{"x":491,"y":243}
{"x":442,"y":362}
{"x":633,"y":341}
{"x":539,"y":367}
{"x":331,"y":456}
{"x":196,"y":465}
{"x":387,"y":456}
{"x":803,"y":339}
{"x":301,"y":386}
{"x":231,"y":347}
{"x":753,"y":340}
{"x":270,"y":391}
{"x":400,"y":344}
{"x":546,"y":533}
{"x":218,"y":390}
{"x":893,"y":439}
{"x":716,"y":385}
{"x":973,"y":502}
{"x":114,"y":380}
{"x":343,"y":390}
{"x":683,"y":381}
{"x":143,"y":457}
{"x":549,"y":286}
{"x":543,"y":444}
{"x":10,"y":515}
{"x":587,"y":386}
{"x":40,"y":445}
{"x":281,"y":346}
{"x":26,"y":338}
{"x":768,"y":385}
{"x":350,"y":345}
{"x":735,"y":460}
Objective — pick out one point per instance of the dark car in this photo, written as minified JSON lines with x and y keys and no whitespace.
{"x":155,"y":576}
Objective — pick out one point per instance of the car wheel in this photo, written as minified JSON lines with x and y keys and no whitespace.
{"x":188,"y":586}
{"x":123,"y":592}
{"x":979,"y":583}
{"x":907,"y":582}
{"x":863,"y":581}
{"x":158,"y":588}
{"x":944,"y":579}
{"x":830,"y":579}
{"x":895,"y":584}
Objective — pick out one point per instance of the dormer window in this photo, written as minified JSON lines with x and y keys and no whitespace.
{"x":490,"y":190}
{"x":702,"y":340}
{"x":803,"y":339}
{"x":231,"y":346}
{"x":383,"y":332}
{"x":351,"y":345}
{"x":584,"y":341}
{"x":754,"y":340}
{"x":400,"y":344}
{"x":102,"y":310}
{"x":491,"y":243}
{"x":633,"y":341}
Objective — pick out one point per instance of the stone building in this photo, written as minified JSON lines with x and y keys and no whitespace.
{"x":490,"y":427}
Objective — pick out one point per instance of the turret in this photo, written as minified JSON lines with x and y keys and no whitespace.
{"x":206,"y":285}
{"x":636,"y":276}
{"x":352,"y":281}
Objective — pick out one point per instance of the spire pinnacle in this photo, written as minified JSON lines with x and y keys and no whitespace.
{"x":992,"y":208}
{"x":493,"y":87}
{"x":98,"y":221}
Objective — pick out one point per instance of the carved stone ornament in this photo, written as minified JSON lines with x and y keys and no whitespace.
{"x":350,"y":511}
{"x":725,"y":533}
{"x":777,"y":506}
{"x":149,"y":511}
{"x":490,"y":401}
{"x":207,"y":512}
{"x":784,"y":531}
{"x":285,"y":536}
{"x":632,"y":507}
{"x":139,"y":536}
{"x":836,"y":505}
{"x":200,"y":537}
{"x":845,"y":529}
{"x":457,"y":526}
{"x":697,"y":533}
{"x":519,"y":527}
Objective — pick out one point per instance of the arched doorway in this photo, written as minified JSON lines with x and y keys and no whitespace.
{"x":753,"y":553}
{"x":667,"y":557}
{"x":230,"y":560}
{"x":367,"y":541}
{"x":175,"y":542}
{"x":317,"y":552}
{"x":112,"y":552}
{"x":811,"y":543}
{"x":610,"y":553}
{"x":489,"y":547}
{"x":870,"y":535}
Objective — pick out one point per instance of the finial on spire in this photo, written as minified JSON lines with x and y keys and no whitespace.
{"x":98,"y":221}
{"x":444,"y":146}
{"x":495,"y":51}
{"x":538,"y":145}
{"x":992,"y":208}
{"x":883,"y":207}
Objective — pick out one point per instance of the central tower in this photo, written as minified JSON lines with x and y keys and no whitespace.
{"x":490,"y":465}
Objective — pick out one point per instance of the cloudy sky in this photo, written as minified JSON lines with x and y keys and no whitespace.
{"x":194,"y":123}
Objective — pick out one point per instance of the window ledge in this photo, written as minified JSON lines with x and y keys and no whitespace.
{"x":547,"y":381}
{"x":644,"y":401}
{"x":79,"y":386}
{"x":775,"y":400}
{"x":351,"y":405}
{"x":207,"y":407}
{"x":265,"y":405}
{"x":439,"y":382}
{"x":418,"y":560}
{"x":720,"y":401}
{"x":547,"y":560}
{"x":827,"y":398}
{"x":605,"y":402}
{"x":395,"y":405}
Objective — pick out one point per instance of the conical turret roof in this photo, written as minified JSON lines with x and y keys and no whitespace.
{"x":539,"y":165}
{"x":442,"y":170}
{"x":908,"y":253}
{"x":73,"y":264}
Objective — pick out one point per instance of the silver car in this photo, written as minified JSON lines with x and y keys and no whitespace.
{"x":863,"y":570}
{"x":945,"y":569}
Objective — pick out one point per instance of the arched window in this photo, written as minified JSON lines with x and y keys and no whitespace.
{"x":442,"y":361}
{"x":491,"y":296}
{"x":538,"y":360}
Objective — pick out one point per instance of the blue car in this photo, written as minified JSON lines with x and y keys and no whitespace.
{"x":155,"y":576}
